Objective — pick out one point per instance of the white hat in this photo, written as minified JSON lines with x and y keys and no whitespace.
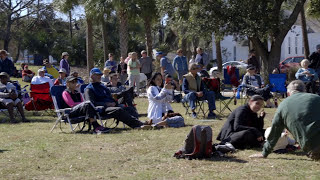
{"x":62,"y":70}
{"x":65,"y":54}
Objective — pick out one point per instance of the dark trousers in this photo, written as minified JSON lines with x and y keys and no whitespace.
{"x":122,"y":115}
{"x":83,"y":109}
{"x":244,"y":139}
{"x":311,"y":87}
{"x":148,"y":75}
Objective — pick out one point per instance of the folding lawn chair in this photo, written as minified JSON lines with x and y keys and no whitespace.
{"x":278,"y":82}
{"x":21,"y":93}
{"x":213,"y":84}
{"x":99,"y":109}
{"x":200,"y":107}
{"x":40,"y":98}
{"x":63,"y":113}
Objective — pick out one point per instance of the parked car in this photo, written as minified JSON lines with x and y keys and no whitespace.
{"x":237,"y":64}
{"x":290,"y":62}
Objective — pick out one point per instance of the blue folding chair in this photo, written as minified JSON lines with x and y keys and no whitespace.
{"x":278,"y":83}
{"x":63,"y":113}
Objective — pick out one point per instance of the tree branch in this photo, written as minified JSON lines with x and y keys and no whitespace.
{"x":283,"y":29}
{"x":21,"y":8}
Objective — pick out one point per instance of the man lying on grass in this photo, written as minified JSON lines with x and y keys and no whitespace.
{"x":300,"y":115}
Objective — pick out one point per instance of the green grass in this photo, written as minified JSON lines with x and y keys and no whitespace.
{"x":30,"y":151}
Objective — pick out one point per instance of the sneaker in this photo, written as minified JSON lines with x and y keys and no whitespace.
{"x":194,"y":115}
{"x":101,"y":129}
{"x":211,"y":115}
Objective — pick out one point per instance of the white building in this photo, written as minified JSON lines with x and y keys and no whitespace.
{"x":235,"y":50}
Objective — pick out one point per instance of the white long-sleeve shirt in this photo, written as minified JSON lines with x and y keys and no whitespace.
{"x":41,"y":80}
{"x":159,"y":100}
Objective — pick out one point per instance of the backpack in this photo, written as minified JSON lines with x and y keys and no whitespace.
{"x":198,"y":144}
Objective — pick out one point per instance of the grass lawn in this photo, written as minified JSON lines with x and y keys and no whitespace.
{"x":30,"y":151}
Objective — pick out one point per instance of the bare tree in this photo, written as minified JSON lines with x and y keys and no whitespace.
{"x":14,"y":10}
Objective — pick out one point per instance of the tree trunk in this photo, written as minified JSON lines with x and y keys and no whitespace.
{"x":123,"y":32}
{"x":70,"y":25}
{"x":147,"y":24}
{"x":7,"y":37}
{"x":104,"y":39}
{"x":89,"y":42}
{"x":218,"y":54}
{"x":305,"y":33}
{"x":195,"y":43}
{"x":184,"y":44}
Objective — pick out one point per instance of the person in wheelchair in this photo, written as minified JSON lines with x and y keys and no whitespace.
{"x":308,"y":76}
{"x":99,"y":95}
{"x":194,"y":90}
{"x":9,"y":98}
{"x":73,"y":99}
{"x":125,"y":96}
{"x":254,"y":85}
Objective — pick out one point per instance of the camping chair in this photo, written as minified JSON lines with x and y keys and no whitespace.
{"x":21,"y":93}
{"x":99,"y":109}
{"x":200,"y":107}
{"x":40,"y":98}
{"x":63,"y":113}
{"x":213,"y":84}
{"x":278,"y":82}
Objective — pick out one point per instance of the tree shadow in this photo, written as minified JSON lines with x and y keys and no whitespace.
{"x":292,"y":159}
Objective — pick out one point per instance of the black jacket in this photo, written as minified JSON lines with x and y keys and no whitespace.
{"x":314,"y":58}
{"x":241,"y":119}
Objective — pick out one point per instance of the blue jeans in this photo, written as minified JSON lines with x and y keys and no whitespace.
{"x":207,"y":95}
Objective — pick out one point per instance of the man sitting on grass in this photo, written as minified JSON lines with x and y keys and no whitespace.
{"x":300,"y":115}
{"x":99,"y":95}
{"x":244,"y":129}
{"x":9,"y":97}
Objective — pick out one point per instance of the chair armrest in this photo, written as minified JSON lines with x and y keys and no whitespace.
{"x":65,"y":111}
{"x":99,"y":108}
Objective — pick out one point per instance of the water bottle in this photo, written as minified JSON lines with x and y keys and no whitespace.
{"x":276,"y":102}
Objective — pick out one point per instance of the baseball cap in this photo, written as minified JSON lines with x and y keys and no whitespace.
{"x":71,"y":78}
{"x":159,"y":53}
{"x":4,"y":74}
{"x":95,"y":71}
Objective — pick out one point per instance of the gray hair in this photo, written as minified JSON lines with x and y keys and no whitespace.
{"x":296,"y":86}
{"x":193,"y":66}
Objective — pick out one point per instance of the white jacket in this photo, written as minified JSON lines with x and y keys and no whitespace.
{"x":159,"y":100}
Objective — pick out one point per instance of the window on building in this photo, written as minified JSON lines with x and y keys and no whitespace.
{"x":234,"y":53}
{"x":296,"y":44}
{"x":289,"y":45}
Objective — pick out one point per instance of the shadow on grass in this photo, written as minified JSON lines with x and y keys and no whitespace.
{"x":227,"y":159}
{"x":143,"y":114}
{"x":3,"y":150}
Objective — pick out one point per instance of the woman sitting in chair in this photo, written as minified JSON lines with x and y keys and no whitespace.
{"x":73,"y":100}
{"x":159,"y":98}
{"x":308,"y":76}
{"x":255,"y":86}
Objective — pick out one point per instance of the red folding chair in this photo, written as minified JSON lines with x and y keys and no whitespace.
{"x":40,"y":98}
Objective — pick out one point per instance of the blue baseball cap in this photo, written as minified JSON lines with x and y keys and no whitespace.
{"x":95,"y":71}
{"x":159,"y":53}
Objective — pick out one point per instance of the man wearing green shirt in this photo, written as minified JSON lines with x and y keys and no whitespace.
{"x":299,"y":113}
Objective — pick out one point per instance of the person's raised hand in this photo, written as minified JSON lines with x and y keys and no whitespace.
{"x":262,"y":113}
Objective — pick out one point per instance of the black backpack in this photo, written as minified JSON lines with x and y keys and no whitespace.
{"x":198,"y":144}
